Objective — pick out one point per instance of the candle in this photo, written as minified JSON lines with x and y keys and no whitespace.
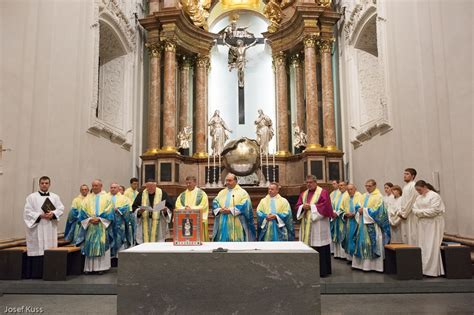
{"x":213,"y":169}
{"x":208,"y":168}
{"x":219,"y":172}
{"x":274,"y":170}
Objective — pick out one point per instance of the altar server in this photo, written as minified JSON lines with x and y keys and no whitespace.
{"x":429,"y":209}
{"x":41,"y":214}
{"x":152,"y":226}
{"x":123,"y":226}
{"x":373,"y":232}
{"x":393,"y":211}
{"x":233,"y":213}
{"x":408,"y":225}
{"x":195,"y":198}
{"x":73,"y":225}
{"x":274,"y":216}
{"x":314,"y":210}
{"x":350,"y":206}
{"x":96,"y":216}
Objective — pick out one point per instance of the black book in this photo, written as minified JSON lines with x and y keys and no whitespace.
{"x":48,"y":206}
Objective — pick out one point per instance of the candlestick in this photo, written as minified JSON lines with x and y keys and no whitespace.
{"x":213,"y":170}
{"x":274,"y":179}
{"x":208,"y":170}
{"x":219,"y":173}
{"x":268,"y":170}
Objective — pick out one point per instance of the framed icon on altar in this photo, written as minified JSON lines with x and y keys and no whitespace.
{"x":187,"y":227}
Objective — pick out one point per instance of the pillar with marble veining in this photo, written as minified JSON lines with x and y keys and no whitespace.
{"x":200,"y":106}
{"x":325,"y":48}
{"x":154,"y":99}
{"x":169,"y":97}
{"x":281,"y":81}
{"x":184,"y":68}
{"x":299,"y":91}
{"x":311,"y":87}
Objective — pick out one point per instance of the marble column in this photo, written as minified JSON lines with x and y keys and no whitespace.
{"x":184,"y":68}
{"x":311,"y":87}
{"x":154,"y":100}
{"x":279,"y":62}
{"x":325,"y":48}
{"x":200,"y":106}
{"x":299,"y":91}
{"x":169,"y":98}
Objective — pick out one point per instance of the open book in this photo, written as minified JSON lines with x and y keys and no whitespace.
{"x":160,"y":206}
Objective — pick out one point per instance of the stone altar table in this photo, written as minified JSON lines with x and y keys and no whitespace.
{"x":250,"y":278}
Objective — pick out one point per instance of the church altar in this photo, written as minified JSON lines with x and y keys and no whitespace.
{"x":223,"y":278}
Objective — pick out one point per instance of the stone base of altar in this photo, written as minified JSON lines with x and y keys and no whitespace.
{"x":244,"y":278}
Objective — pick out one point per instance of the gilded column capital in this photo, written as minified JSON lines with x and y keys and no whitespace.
{"x":185,"y":62}
{"x":309,"y":41}
{"x":170,"y":46}
{"x":279,"y":58}
{"x":203,"y":61}
{"x":153,"y":49}
{"x":325,"y":45}
{"x":296,"y":60}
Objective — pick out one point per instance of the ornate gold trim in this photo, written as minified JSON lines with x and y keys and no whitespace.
{"x":324,"y":3}
{"x":309,"y":41}
{"x":151,"y":151}
{"x":314,"y":147}
{"x":296,"y":60}
{"x":325,"y":45}
{"x":197,"y":11}
{"x":170,"y":46}
{"x":168,"y":149}
{"x":153,"y":49}
{"x":200,"y":155}
{"x":203,"y":61}
{"x":185,"y":62}
{"x":332,"y":148}
{"x":279,"y":59}
{"x":283,"y":153}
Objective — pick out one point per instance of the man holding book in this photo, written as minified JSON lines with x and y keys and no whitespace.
{"x":41,"y":215}
{"x":152,"y":209}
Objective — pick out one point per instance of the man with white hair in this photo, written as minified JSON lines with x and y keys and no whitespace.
{"x":96,"y":216}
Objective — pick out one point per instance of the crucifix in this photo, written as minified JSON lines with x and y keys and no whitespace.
{"x":238,"y":39}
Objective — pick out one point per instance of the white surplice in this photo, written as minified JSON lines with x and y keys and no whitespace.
{"x":395,"y":220}
{"x":320,"y":232}
{"x":43,"y":234}
{"x":408,"y":227}
{"x":429,"y":209}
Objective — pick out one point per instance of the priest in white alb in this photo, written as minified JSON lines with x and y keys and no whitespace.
{"x":41,"y":214}
{"x":429,"y":209}
{"x":96,"y":216}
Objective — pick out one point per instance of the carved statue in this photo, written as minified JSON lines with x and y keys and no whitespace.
{"x":184,"y":137}
{"x":300,"y":140}
{"x":265,"y":131}
{"x":197,"y":10}
{"x":219,"y":133}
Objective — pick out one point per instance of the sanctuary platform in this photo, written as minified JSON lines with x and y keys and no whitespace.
{"x":343,"y":280}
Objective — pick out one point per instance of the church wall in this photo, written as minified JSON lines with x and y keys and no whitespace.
{"x":48,"y":59}
{"x":428,"y":68}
